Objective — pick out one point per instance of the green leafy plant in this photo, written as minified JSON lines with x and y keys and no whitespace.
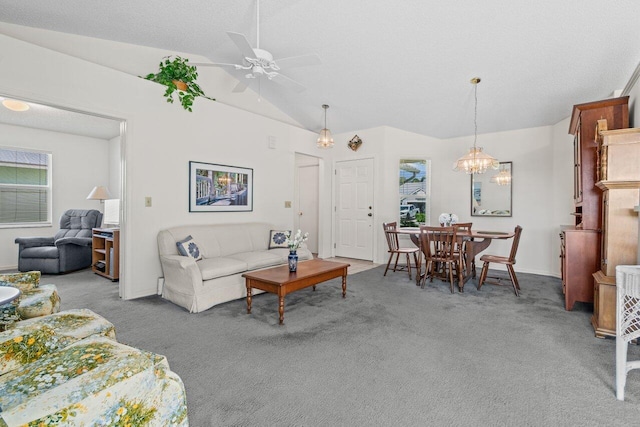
{"x":174,"y":70}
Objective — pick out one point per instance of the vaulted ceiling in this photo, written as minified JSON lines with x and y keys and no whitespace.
{"x":405,"y":64}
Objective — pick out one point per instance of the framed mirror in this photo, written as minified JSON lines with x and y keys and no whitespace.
{"x":491,"y":192}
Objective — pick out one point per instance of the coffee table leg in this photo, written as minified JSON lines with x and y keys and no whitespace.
{"x":314,"y":287}
{"x":344,"y":286}
{"x":248,"y":298}
{"x":281,"y":308}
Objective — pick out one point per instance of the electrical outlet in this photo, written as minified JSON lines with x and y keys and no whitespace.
{"x":287,"y":204}
{"x":147,"y":202}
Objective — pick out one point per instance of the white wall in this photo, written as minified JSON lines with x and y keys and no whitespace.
{"x":161,"y":139}
{"x":79,"y":164}
{"x":114,"y":167}
{"x":540,"y":179}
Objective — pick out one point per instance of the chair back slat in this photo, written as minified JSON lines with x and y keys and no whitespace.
{"x":390,"y":233}
{"x":514,"y":245}
{"x":439,"y":242}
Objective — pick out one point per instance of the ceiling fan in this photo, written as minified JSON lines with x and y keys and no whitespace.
{"x":260,"y":63}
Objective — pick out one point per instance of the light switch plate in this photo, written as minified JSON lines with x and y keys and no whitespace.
{"x":287,"y":204}
{"x":147,"y":202}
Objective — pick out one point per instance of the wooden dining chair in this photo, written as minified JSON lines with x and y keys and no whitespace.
{"x":390,"y":232}
{"x":461,"y":246}
{"x":508,"y":261}
{"x":438,"y":245}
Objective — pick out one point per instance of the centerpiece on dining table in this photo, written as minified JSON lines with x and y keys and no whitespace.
{"x":294,"y":243}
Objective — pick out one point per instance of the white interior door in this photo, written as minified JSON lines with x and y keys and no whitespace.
{"x":354,"y":209}
{"x":307,"y":203}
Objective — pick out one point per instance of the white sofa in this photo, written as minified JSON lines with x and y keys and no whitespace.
{"x":228,"y":250}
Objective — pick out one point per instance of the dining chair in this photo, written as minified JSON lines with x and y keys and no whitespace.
{"x":438,"y":245}
{"x":461,"y":246}
{"x":390,"y":232}
{"x":508,"y":261}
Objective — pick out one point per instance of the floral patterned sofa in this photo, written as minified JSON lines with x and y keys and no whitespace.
{"x":68,"y":369}
{"x":35,"y":299}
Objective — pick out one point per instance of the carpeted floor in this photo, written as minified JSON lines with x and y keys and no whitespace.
{"x":389,"y":354}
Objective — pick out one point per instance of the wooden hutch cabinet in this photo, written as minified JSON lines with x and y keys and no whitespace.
{"x":580,"y":250}
{"x":619,"y":162}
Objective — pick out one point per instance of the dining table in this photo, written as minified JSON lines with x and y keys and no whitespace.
{"x":475,"y":242}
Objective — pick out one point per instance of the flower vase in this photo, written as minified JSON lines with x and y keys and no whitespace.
{"x":293,"y":261}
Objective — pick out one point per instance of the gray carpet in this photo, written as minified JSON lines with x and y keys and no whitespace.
{"x":389,"y":354}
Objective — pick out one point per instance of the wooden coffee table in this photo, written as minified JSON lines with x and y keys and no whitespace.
{"x":279,"y":281}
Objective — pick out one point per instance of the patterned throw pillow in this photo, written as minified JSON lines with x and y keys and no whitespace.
{"x":188,"y":247}
{"x":278,"y":239}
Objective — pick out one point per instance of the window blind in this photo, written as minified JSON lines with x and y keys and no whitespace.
{"x":24,"y":186}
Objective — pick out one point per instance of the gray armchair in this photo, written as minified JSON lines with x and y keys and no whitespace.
{"x":68,"y":250}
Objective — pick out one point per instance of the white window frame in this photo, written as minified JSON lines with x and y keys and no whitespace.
{"x":49,"y":187}
{"x":427,"y":188}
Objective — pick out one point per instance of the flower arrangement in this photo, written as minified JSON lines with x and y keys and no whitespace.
{"x":297,"y":240}
{"x":448,"y":219}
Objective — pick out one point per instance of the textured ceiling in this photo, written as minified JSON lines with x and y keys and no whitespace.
{"x":403,"y":64}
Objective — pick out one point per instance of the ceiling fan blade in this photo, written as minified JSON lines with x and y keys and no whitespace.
{"x":288,"y":82}
{"x":211,"y":64}
{"x":240,"y":87}
{"x":299,"y":61}
{"x":243,"y":44}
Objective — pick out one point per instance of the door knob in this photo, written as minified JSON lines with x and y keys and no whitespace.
{"x":300,"y":213}
{"x":369,"y":214}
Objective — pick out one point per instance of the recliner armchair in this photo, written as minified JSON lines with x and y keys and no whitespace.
{"x":68,"y":250}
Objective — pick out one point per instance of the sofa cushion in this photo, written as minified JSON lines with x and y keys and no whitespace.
{"x":279,"y":238}
{"x":210,"y":268}
{"x":94,"y":381}
{"x":50,"y":252}
{"x":23,"y":281}
{"x":260,"y":259}
{"x":188,"y":247}
{"x":41,"y":301}
{"x":28,"y":340}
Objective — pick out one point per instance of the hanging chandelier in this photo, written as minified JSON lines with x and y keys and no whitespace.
{"x":475,"y":161}
{"x":503,"y":177}
{"x":325,"y":140}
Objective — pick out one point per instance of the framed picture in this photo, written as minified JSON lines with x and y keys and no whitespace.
{"x":220,"y":188}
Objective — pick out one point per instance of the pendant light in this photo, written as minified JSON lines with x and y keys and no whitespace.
{"x":325,"y":140}
{"x":503,"y":177}
{"x":475,"y":161}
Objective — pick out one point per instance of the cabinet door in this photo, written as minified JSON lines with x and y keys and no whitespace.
{"x":577,"y":167}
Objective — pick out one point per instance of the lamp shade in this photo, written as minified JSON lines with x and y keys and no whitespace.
{"x":325,"y":140}
{"x":475,"y":161}
{"x":99,"y":193}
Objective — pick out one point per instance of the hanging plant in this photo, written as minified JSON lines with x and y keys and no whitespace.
{"x":178,"y":76}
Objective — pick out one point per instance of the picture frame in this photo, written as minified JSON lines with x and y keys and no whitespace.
{"x":220,"y":188}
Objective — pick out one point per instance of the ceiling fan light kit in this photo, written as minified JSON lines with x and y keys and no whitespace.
{"x":260,"y":62}
{"x":325,"y":140}
{"x":475,"y":161}
{"x":15,"y":105}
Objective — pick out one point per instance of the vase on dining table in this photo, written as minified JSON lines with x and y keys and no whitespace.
{"x":293,"y":261}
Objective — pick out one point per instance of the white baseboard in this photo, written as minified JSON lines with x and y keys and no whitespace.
{"x":160,"y":285}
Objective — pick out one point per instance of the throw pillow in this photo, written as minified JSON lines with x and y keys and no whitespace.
{"x":278,"y":239}
{"x":188,"y":247}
